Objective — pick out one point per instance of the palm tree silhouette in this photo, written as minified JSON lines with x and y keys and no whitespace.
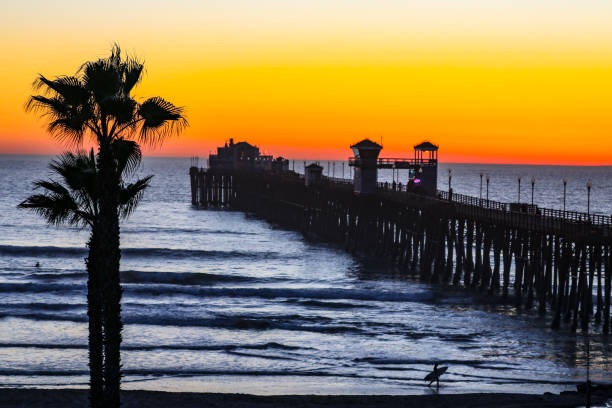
{"x":75,"y":200}
{"x":97,"y":102}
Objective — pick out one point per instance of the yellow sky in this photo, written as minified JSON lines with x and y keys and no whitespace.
{"x":491,"y":81}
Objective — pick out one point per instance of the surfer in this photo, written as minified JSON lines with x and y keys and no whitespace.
{"x":435,"y":375}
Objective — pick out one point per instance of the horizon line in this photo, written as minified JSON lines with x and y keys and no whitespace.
{"x":336,"y":160}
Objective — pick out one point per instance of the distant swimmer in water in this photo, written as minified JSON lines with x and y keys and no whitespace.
{"x":37,"y":264}
{"x":435,"y":375}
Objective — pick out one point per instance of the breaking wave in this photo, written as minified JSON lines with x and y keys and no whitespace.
{"x":167,"y":253}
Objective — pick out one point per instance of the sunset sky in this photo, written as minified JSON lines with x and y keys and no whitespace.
{"x":508,"y":81}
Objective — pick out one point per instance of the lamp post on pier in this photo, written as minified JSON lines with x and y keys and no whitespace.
{"x":589,"y":185}
{"x":519,"y":189}
{"x":450,"y":177}
{"x":532,"y":187}
{"x":342,"y":169}
{"x":481,"y":185}
{"x":488,"y":178}
{"x":564,"y":190}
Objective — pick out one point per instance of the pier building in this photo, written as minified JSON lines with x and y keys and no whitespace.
{"x":244,"y":156}
{"x":313,"y":174}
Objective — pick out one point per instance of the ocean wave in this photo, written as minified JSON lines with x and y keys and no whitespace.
{"x":146,"y":230}
{"x":42,"y":373}
{"x":59,"y":275}
{"x":41,"y":306}
{"x":261,"y":323}
{"x":146,"y":277}
{"x":181,"y":278}
{"x":29,"y":287}
{"x":176,"y":372}
{"x":274,"y":293}
{"x":72,"y":252}
{"x":412,"y":361}
{"x":141,"y":230}
{"x":42,"y":251}
{"x":257,"y":323}
{"x":264,"y":356}
{"x":325,"y":305}
{"x":177,"y":347}
{"x":162,"y":289}
{"x":64,"y":317}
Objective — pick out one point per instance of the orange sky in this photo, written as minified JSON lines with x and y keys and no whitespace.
{"x":504,"y":81}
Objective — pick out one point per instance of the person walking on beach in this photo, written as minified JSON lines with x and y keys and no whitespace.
{"x":435,"y":375}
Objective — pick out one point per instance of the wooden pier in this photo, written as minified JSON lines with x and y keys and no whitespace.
{"x":555,"y":262}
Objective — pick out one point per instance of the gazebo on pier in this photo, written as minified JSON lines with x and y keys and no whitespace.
{"x":426,"y":149}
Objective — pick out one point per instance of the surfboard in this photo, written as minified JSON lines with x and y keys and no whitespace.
{"x":435,"y":374}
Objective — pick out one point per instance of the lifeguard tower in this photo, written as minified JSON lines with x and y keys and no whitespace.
{"x":365,"y":161}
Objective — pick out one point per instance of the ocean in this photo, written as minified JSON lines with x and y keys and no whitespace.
{"x":220,"y":301}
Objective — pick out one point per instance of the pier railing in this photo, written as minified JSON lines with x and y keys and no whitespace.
{"x":338,"y":180}
{"x":516,"y":208}
{"x":394,"y":163}
{"x":571,"y":216}
{"x":475,"y":201}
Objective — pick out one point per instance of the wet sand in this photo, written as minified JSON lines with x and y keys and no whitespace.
{"x":64,"y":398}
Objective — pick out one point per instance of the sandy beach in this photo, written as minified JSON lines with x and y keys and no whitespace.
{"x":66,"y":398}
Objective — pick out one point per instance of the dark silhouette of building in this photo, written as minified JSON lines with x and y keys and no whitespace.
{"x":426,"y":158}
{"x":244,"y":156}
{"x":366,"y":166}
{"x":313,"y":174}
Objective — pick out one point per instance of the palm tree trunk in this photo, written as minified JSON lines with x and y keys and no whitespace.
{"x":94,"y":311}
{"x":109,"y":262}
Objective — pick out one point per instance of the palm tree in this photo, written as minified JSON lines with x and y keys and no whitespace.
{"x":75,"y":201}
{"x":97,"y":102}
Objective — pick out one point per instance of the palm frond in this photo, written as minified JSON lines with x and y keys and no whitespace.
{"x":132,"y":74}
{"x":131,"y":194}
{"x":121,"y":109}
{"x":69,"y":88}
{"x":102,"y":78}
{"x":78,"y":172}
{"x":69,"y":110}
{"x":66,"y":165}
{"x":56,"y":209}
{"x":71,"y":200}
{"x":52,"y":186}
{"x":68,"y":130}
{"x":128,"y":155}
{"x":160,"y":120}
{"x":54,"y":106}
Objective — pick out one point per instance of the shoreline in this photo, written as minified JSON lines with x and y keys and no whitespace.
{"x":56,"y":398}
